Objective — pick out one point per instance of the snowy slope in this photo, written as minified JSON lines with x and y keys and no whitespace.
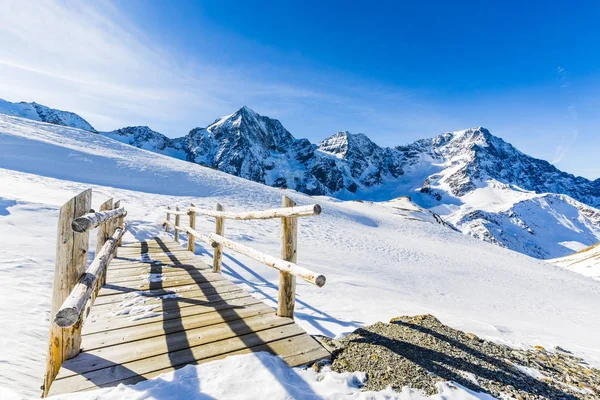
{"x":380,"y":261}
{"x":38,"y":112}
{"x":585,"y":261}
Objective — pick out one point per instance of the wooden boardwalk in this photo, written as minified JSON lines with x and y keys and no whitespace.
{"x":191,"y":315}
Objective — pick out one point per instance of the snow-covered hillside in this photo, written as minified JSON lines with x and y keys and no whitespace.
{"x":381,"y":260}
{"x":585,"y":261}
{"x":38,"y":112}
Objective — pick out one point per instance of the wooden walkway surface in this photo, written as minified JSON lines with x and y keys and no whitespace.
{"x":190,"y":316}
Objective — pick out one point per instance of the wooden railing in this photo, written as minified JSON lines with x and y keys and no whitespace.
{"x":75,"y":287}
{"x":288,"y":269}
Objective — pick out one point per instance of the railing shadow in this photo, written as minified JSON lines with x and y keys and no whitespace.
{"x":252,"y":341}
{"x":178,"y":346}
{"x":259,"y":287}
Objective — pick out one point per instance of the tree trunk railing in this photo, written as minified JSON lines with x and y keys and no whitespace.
{"x":288,"y":269}
{"x":75,"y":287}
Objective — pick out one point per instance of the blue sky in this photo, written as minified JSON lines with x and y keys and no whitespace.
{"x":396,"y":71}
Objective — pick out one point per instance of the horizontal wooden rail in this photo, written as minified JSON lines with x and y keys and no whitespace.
{"x":214,"y":240}
{"x":301,"y":211}
{"x":92,"y":220}
{"x":70,"y":312}
{"x":277,"y":263}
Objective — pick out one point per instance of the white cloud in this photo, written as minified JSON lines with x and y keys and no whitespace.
{"x":88,"y":58}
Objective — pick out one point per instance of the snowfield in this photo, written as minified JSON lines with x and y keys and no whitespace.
{"x":381,"y":260}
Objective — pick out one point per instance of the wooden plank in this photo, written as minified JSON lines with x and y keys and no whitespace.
{"x":147,"y":268}
{"x":120,"y":265}
{"x":171,"y":273}
{"x":186,"y":300}
{"x":122,"y":353}
{"x":164,"y":327}
{"x":159,"y":241}
{"x":114,"y":322}
{"x":135,"y":286}
{"x":173,"y":255}
{"x":295,"y":351}
{"x":202,"y":289}
{"x":124,"y":261}
{"x":111,"y":376}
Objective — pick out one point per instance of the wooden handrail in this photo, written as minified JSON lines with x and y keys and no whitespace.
{"x":214,"y":240}
{"x":70,"y":312}
{"x":288,"y":269}
{"x":92,"y":220}
{"x":277,"y":263}
{"x":301,"y":211}
{"x":75,"y":287}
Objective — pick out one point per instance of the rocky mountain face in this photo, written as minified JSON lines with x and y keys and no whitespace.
{"x":477,"y":182}
{"x":475,"y":155}
{"x":38,"y":112}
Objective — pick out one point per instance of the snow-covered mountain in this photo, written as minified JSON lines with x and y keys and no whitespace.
{"x":38,"y":112}
{"x":476,"y":181}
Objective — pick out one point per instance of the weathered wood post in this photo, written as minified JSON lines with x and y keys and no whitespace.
{"x":120,"y":222}
{"x":168,"y":219}
{"x":218,"y":252}
{"x":287,"y":282}
{"x":192,"y":238}
{"x":177,"y":221}
{"x":71,"y":257}
{"x":103,"y":232}
{"x":114,"y":223}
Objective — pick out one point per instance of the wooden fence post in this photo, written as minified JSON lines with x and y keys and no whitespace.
{"x":71,"y":257}
{"x":168,"y":219}
{"x":218,"y":252}
{"x":191,"y":238}
{"x":114,"y":224}
{"x":120,"y":222}
{"x":103,"y":232}
{"x":177,"y":221}
{"x":287,"y":282}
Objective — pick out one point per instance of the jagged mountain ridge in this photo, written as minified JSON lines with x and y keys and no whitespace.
{"x":39,"y":112}
{"x":346,"y":165}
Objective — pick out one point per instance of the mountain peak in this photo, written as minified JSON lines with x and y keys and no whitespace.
{"x":342,"y":143}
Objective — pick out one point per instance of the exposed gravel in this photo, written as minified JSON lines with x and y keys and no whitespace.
{"x":420,"y":351}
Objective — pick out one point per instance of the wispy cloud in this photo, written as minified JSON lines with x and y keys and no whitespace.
{"x":87,"y":57}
